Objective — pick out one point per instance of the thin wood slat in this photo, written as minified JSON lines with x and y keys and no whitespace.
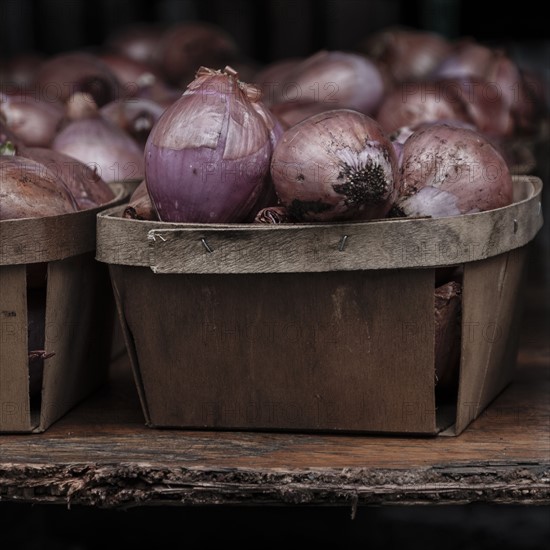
{"x":34,"y":240}
{"x":285,"y":248}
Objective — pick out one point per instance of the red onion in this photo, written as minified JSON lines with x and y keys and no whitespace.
{"x":135,"y":116}
{"x":274,"y":76}
{"x":62,"y":76}
{"x":412,"y":103}
{"x":408,"y":55}
{"x":187,"y":46}
{"x":491,"y":84}
{"x":336,"y":165}
{"x":272,"y":215}
{"x":138,"y":42}
{"x":447,"y":171}
{"x":208,"y":155}
{"x":33,"y":121}
{"x":88,"y":189}
{"x":334,"y":80}
{"x":140,"y":206}
{"x":29,"y":190}
{"x":132,"y":75}
{"x":100,"y":144}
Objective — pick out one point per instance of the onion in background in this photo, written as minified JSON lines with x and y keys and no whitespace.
{"x":32,"y":120}
{"x":328,"y":81}
{"x":98,"y":143}
{"x":138,"y":42}
{"x":413,"y":103}
{"x":337,"y":165}
{"x":407,"y":55}
{"x":448,"y":171}
{"x":61,"y":76}
{"x":135,"y":116}
{"x":185,"y":47}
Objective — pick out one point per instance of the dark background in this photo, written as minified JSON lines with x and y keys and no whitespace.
{"x":265,"y":31}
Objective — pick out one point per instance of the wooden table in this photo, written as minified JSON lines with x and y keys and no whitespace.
{"x":101,"y":453}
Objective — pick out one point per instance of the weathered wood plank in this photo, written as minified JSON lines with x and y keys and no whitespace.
{"x":14,"y":370}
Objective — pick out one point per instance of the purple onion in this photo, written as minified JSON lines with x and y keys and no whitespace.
{"x":208,"y":155}
{"x":100,"y":144}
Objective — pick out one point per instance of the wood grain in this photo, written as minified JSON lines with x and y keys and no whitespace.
{"x":338,"y":351}
{"x":379,"y":244}
{"x":14,"y":364}
{"x":33,"y":240}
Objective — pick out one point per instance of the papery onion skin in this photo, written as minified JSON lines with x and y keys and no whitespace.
{"x":449,"y":171}
{"x":208,"y":155}
{"x":88,"y":189}
{"x":140,"y":206}
{"x":33,"y":121}
{"x":337,"y":165}
{"x":272,"y":215}
{"x":98,"y":143}
{"x":64,"y":75}
{"x":29,"y":190}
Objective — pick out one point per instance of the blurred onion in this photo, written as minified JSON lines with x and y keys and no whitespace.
{"x":98,"y":143}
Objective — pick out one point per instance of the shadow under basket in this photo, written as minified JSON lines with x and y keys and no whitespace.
{"x":56,"y":317}
{"x":317,"y":327}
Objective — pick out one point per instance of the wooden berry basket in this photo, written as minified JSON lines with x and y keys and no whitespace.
{"x":316,"y":327}
{"x":79,"y":314}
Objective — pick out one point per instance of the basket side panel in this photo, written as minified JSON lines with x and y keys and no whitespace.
{"x":334,"y":351}
{"x":14,"y":370}
{"x":489,"y":331}
{"x":79,"y":316}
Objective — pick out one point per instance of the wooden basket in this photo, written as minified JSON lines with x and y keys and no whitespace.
{"x":79,"y":314}
{"x":316,"y":327}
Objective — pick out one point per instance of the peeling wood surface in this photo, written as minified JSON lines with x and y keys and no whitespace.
{"x":101,"y":453}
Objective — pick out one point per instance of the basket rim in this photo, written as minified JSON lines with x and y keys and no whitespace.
{"x":51,"y":238}
{"x":387,"y":243}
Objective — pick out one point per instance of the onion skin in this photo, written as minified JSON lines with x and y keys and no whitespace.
{"x":186,"y":47}
{"x":208,"y":155}
{"x":448,"y":171}
{"x":337,"y":165}
{"x":88,"y":189}
{"x":408,"y":55}
{"x":333,"y":80}
{"x":66,"y":74}
{"x":98,"y":143}
{"x":272,"y":215}
{"x":33,"y":121}
{"x":29,"y":190}
{"x":140,"y":206}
